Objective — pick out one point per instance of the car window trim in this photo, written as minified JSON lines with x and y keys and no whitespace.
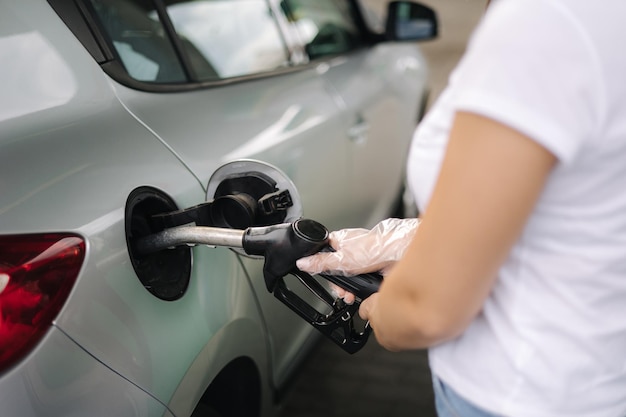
{"x":81,"y":23}
{"x":179,"y":50}
{"x":119,"y":74}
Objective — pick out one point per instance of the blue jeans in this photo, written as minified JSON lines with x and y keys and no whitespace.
{"x":450,"y":404}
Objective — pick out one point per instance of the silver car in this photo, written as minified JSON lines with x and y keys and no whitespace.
{"x":119,"y":116}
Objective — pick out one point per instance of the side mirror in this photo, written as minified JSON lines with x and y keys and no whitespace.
{"x":408,"y":21}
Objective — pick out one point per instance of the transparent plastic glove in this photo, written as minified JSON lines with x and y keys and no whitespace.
{"x":361,"y":250}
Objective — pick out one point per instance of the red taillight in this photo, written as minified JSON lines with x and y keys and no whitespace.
{"x":37,"y":273}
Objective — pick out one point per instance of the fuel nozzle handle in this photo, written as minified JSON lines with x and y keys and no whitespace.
{"x":283,"y":244}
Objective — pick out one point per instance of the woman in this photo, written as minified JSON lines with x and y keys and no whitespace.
{"x":516,"y":277}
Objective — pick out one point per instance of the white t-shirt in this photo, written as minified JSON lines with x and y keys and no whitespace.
{"x":551,"y":337}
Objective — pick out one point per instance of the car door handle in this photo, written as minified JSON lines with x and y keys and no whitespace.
{"x":358,"y":132}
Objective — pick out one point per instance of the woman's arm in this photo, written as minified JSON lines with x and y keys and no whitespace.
{"x":490,"y":180}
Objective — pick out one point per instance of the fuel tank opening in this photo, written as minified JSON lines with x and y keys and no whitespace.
{"x":165,"y":273}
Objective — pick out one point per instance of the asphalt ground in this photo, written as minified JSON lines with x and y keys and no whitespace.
{"x":373,"y":381}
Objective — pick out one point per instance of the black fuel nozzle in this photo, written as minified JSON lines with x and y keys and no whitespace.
{"x":281,"y":246}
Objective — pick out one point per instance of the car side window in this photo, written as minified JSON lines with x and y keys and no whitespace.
{"x":326,"y":27}
{"x":140,"y":40}
{"x":237,"y":37}
{"x":181,"y":41}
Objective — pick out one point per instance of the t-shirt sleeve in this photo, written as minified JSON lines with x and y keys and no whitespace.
{"x":533,"y":72}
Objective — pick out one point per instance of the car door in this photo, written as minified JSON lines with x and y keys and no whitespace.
{"x":214,"y":80}
{"x":380,"y":86}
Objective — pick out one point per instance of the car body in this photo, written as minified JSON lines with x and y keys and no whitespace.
{"x":110,"y":103}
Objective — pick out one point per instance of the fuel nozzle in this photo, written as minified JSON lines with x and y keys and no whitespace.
{"x":281,"y":245}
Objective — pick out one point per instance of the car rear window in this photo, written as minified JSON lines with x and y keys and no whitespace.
{"x":140,"y":40}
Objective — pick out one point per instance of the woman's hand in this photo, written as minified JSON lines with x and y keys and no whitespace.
{"x":358,"y":251}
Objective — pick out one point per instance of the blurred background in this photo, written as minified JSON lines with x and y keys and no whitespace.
{"x":375,"y":382}
{"x":457,"y":19}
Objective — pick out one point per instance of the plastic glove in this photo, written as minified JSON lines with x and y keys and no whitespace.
{"x":361,"y":250}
